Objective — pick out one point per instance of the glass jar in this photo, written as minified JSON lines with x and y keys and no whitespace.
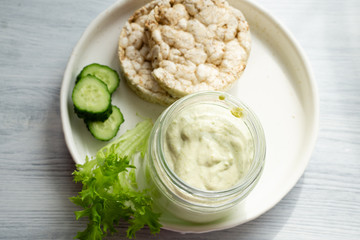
{"x":170,"y":192}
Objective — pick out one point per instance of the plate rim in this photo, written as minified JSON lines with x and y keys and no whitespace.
{"x":69,"y":140}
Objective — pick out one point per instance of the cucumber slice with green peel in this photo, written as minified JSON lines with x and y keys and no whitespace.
{"x":108,"y":129}
{"x":106,"y":74}
{"x":92,"y":99}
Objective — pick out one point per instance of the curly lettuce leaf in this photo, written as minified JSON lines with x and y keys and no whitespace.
{"x":110,"y":193}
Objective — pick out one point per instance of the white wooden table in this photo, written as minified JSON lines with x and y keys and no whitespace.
{"x":36,"y":39}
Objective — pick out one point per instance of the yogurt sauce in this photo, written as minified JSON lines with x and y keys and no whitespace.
{"x":208,"y":147}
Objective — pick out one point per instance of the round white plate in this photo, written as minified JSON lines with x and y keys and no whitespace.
{"x":277,"y":84}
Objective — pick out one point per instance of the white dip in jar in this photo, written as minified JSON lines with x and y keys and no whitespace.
{"x":208,"y":147}
{"x":206,"y":153}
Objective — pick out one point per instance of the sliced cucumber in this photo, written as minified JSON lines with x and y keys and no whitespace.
{"x":108,"y":129}
{"x":109,"y":76}
{"x":92,"y":99}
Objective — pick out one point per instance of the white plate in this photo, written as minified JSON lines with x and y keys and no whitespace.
{"x":277,"y":84}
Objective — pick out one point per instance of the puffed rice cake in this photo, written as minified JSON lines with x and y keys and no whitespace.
{"x":197,"y":45}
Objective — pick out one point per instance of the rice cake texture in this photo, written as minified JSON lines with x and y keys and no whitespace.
{"x":135,"y":60}
{"x":197,"y":45}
